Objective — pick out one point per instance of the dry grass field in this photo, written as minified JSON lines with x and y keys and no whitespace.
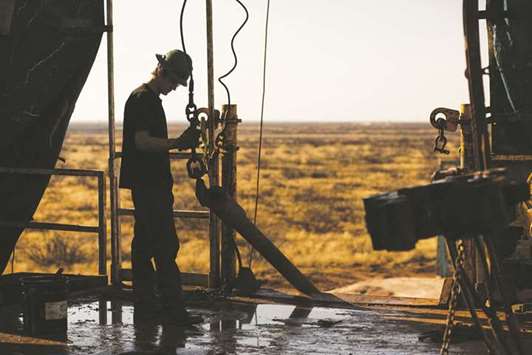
{"x":314,"y":177}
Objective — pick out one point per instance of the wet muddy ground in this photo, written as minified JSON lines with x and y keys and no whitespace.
{"x":234,"y":328}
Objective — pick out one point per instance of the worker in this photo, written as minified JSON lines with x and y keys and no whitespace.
{"x":145,"y":170}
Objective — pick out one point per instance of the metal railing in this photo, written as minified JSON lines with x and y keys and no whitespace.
{"x":100,"y":229}
{"x":121,"y":274}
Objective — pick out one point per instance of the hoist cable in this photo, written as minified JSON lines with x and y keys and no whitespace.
{"x":181,"y":25}
{"x":234,"y":54}
{"x":259,"y":154}
{"x":191,"y":85}
{"x":196,"y":168}
{"x":182,"y":34}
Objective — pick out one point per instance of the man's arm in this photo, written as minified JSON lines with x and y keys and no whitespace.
{"x":146,"y":143}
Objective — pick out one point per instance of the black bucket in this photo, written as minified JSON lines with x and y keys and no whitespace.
{"x":45,"y":305}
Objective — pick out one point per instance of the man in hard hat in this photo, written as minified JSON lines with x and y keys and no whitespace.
{"x":145,"y":170}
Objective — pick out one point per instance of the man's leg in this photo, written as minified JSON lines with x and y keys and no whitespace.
{"x":165,"y":253}
{"x":160,"y":238}
{"x":161,"y":229}
{"x":142,"y":250}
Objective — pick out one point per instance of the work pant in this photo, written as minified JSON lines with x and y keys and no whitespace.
{"x":155,"y":237}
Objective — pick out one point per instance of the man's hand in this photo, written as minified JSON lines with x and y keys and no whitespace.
{"x":146,"y":143}
{"x":188,"y":139}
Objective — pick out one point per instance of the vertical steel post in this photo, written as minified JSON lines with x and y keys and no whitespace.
{"x":102,"y":311}
{"x":229,"y":150}
{"x":102,"y":244}
{"x":468,"y":162}
{"x":479,"y":129}
{"x":102,"y":226}
{"x":115,"y":235}
{"x":214,"y":223}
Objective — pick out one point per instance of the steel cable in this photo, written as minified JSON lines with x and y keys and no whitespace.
{"x":181,"y":25}
{"x":234,"y":54}
{"x":183,"y":36}
{"x":259,"y":154}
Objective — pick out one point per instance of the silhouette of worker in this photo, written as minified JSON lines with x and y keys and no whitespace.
{"x":145,"y":170}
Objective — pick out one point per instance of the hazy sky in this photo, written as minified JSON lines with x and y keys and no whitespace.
{"x":328,"y":60}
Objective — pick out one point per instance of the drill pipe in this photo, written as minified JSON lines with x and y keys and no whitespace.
{"x":235,"y":217}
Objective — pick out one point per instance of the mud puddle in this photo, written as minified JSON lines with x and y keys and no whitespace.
{"x":231,"y":329}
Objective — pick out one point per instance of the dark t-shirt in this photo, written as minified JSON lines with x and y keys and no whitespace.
{"x":144,"y":112}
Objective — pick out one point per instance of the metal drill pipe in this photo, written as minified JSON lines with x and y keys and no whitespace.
{"x":214,"y":224}
{"x":115,"y":242}
{"x":231,"y":213}
{"x":229,"y":149}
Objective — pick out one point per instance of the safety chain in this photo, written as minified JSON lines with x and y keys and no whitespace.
{"x":453,"y":302}
{"x":191,"y":110}
{"x":441,"y":141}
{"x":196,"y":168}
{"x":219,"y":141}
{"x":449,"y":122}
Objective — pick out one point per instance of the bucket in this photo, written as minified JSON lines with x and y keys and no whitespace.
{"x":45,"y":305}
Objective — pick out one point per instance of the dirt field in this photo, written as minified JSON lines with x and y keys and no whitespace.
{"x":314,"y":177}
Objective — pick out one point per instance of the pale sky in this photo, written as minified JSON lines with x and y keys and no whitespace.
{"x":328,"y":60}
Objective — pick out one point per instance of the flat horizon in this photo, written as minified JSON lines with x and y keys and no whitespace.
{"x":290,"y":122}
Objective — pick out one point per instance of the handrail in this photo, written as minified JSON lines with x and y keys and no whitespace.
{"x":176,"y":213}
{"x":63,"y":172}
{"x":172,"y":155}
{"x":100,"y":229}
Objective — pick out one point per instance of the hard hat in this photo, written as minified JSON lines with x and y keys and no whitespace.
{"x":178,"y":63}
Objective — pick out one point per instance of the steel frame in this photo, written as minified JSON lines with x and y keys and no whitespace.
{"x":100,"y":229}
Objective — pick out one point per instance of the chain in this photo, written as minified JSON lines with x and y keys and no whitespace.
{"x":441,"y":141}
{"x":219,"y":141}
{"x":191,"y":110}
{"x":455,"y":292}
{"x":196,"y":167}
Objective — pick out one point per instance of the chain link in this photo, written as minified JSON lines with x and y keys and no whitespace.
{"x":441,"y":141}
{"x":453,"y":302}
{"x":196,"y":167}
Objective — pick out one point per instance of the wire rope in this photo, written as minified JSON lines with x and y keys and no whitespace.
{"x":183,"y":36}
{"x":235,"y":63}
{"x":181,"y":25}
{"x":259,"y":154}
